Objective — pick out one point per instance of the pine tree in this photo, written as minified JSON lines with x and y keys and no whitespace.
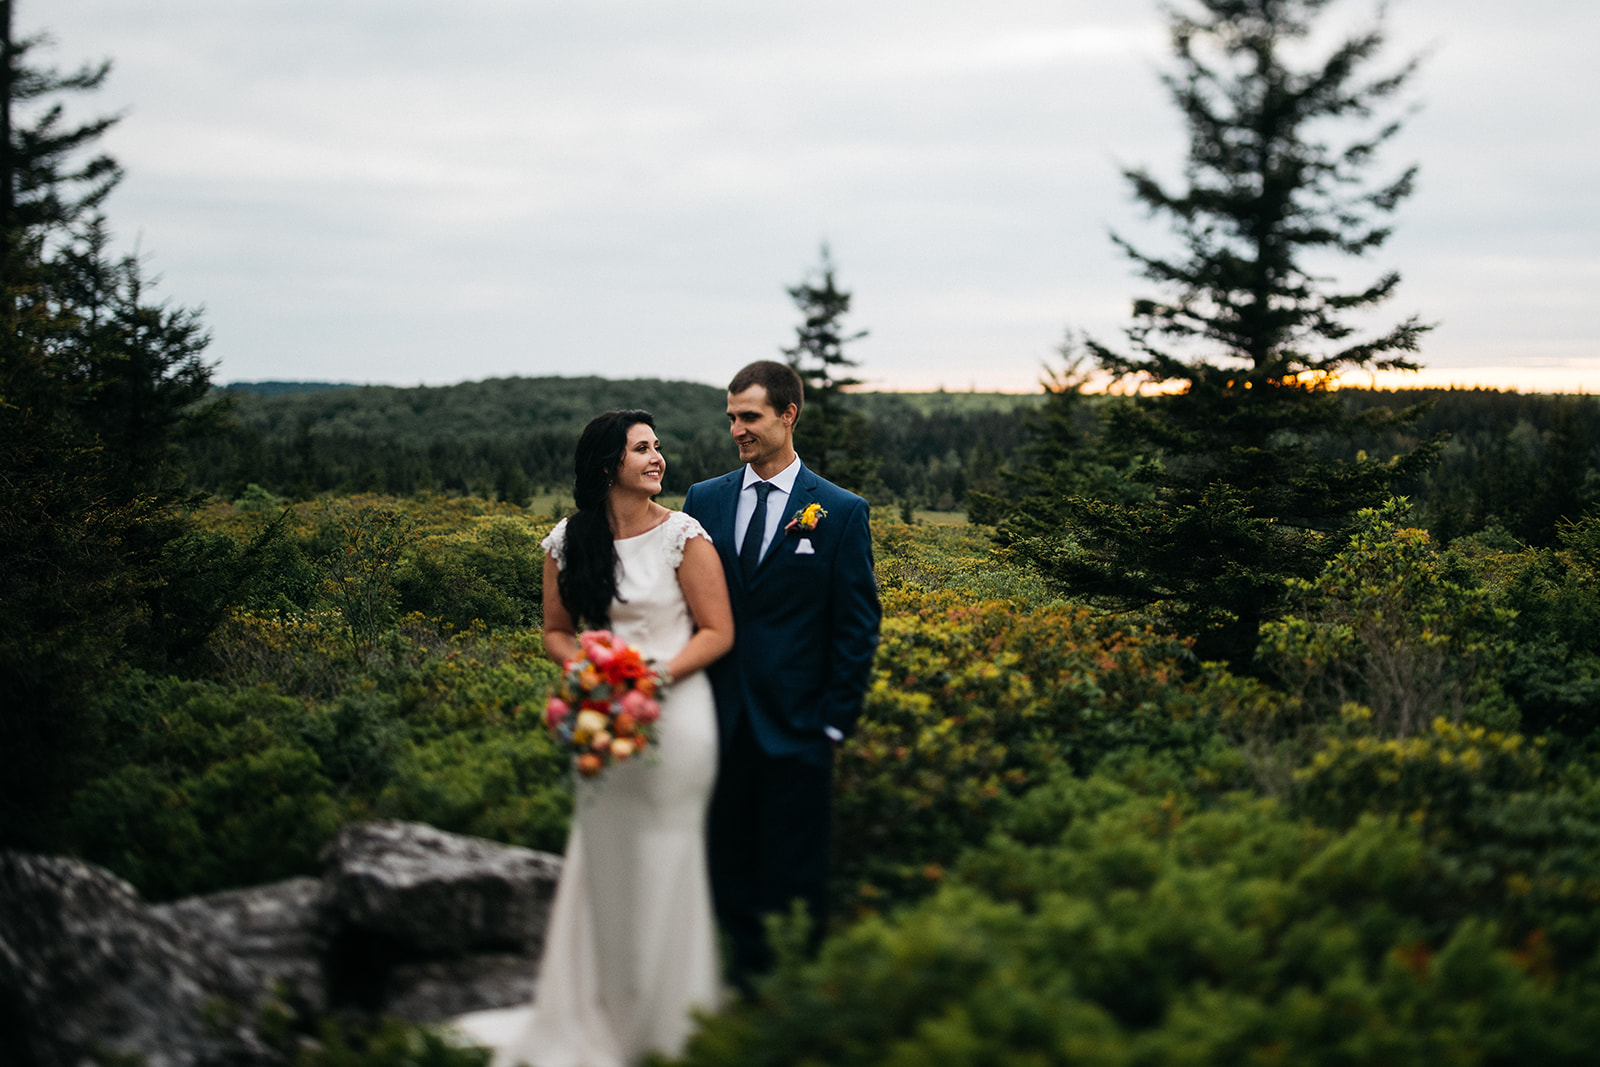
{"x":1252,"y":480}
{"x":97,"y":387}
{"x":833,"y":439}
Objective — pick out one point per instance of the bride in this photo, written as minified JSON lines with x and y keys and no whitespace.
{"x":631,"y":948}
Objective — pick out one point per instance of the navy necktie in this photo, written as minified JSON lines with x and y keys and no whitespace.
{"x":750,"y":550}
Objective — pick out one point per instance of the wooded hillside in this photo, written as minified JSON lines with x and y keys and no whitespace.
{"x":1518,"y":461}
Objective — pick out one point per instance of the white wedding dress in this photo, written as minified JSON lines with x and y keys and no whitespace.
{"x":631,"y":948}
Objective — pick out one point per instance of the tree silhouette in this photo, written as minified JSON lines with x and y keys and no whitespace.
{"x":832,"y":438}
{"x":1237,"y":356}
{"x":98,"y":387}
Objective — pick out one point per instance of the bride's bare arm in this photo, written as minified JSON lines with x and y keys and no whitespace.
{"x":705,"y":590}
{"x":560,"y":631}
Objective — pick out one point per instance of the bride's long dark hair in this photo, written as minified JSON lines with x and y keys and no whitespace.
{"x":588,"y":583}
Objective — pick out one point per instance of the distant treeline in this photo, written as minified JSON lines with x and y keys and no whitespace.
{"x":512,"y":438}
{"x":1522,"y":462}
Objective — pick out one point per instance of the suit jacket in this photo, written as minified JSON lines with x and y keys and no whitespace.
{"x":805,"y":624}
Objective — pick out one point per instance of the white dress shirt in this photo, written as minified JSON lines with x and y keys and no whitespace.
{"x":777,"y":502}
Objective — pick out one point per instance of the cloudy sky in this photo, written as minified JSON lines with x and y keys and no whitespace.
{"x":404,"y":191}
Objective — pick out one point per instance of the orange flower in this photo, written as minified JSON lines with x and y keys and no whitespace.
{"x":626,"y":665}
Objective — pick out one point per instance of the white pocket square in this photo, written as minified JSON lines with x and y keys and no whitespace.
{"x":804,"y":548}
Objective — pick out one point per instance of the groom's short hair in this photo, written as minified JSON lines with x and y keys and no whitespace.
{"x":782,"y":384}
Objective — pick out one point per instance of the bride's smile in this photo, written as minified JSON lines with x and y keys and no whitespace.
{"x":642,"y":466}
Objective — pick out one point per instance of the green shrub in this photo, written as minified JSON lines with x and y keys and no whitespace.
{"x":1393,"y":625}
{"x":208,"y":788}
{"x":358,"y":570}
{"x":206,"y":785}
{"x":1553,"y":671}
{"x":1506,"y":839}
{"x":506,"y":785}
{"x":1126,"y":929}
{"x":959,"y":561}
{"x":971,"y":703}
{"x":492,"y":573}
{"x":348,"y":1042}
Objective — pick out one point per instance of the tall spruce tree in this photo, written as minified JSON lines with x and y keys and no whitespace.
{"x":832,"y":437}
{"x":1252,"y":479}
{"x":97,"y":386}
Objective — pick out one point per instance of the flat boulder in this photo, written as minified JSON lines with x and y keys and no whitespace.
{"x":437,"y":892}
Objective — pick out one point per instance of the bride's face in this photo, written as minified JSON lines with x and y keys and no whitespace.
{"x":642,"y":465}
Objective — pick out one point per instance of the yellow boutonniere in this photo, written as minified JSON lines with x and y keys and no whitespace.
{"x":806,"y":519}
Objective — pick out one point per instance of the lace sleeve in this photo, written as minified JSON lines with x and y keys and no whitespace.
{"x":681,"y":529}
{"x":555,"y":545}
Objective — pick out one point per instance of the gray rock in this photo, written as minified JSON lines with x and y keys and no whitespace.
{"x":278,"y":929}
{"x":437,"y":990}
{"x":437,"y":892}
{"x":87,"y":971}
{"x":407,"y":921}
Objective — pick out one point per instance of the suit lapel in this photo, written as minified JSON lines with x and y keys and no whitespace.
{"x":723,"y":535}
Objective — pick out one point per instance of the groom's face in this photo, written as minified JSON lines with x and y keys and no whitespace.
{"x":761,"y":433}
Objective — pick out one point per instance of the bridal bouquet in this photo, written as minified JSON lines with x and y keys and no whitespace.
{"x":604,"y":708}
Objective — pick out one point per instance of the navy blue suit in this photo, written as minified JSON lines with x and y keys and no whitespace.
{"x":805,"y":630}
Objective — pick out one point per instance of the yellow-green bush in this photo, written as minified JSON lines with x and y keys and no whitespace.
{"x":1390,"y":623}
{"x":971,"y":703}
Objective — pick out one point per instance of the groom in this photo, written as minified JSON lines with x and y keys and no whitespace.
{"x":798,"y":558}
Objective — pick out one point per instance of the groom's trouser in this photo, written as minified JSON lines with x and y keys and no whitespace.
{"x":769,"y":830}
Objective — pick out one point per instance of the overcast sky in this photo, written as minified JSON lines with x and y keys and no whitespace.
{"x":403,"y":191}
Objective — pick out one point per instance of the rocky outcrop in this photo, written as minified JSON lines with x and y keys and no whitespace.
{"x":417,"y":909}
{"x":277,"y":930}
{"x":406,"y":920}
{"x":86,"y":969}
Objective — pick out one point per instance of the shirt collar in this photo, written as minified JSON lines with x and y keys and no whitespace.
{"x":783,"y":480}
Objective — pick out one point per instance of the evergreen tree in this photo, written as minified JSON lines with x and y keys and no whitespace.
{"x":97,"y":388}
{"x":1251,"y":484}
{"x":833,"y":439}
{"x":1066,"y":456}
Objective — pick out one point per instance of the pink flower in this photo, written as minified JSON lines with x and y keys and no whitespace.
{"x":555,"y":711}
{"x":641,"y":707}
